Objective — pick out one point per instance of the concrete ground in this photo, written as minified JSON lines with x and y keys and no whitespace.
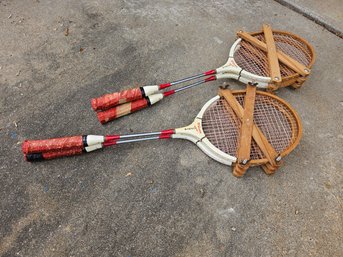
{"x":328,"y":13}
{"x":160,"y":198}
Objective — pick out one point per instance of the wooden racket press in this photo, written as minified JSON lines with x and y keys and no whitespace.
{"x":248,"y":132}
{"x":275,"y":56}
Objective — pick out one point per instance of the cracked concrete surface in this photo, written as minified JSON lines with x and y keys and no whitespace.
{"x":178,"y":201}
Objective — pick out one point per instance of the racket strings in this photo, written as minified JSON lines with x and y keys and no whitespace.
{"x":291,"y":46}
{"x":254,"y":60}
{"x":278,"y":124}
{"x":295,"y":48}
{"x":221,"y":127}
{"x":284,"y":69}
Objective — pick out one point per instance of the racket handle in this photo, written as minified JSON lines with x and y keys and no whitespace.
{"x":110,"y":100}
{"x":63,"y":143}
{"x":122,"y":110}
{"x":34,"y":157}
{"x":127,"y":108}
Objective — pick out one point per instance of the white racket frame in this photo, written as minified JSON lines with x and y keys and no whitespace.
{"x":194,"y":133}
{"x":232,"y":70}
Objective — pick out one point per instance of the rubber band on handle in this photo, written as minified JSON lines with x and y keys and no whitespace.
{"x":110,"y":100}
{"x":63,"y":143}
{"x":35,"y":157}
{"x":122,"y":110}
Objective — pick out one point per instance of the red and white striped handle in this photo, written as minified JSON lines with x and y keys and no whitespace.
{"x":127,"y":108}
{"x":109,"y":100}
{"x":121,"y":110}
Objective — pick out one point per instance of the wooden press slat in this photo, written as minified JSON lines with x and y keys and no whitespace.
{"x":244,"y":146}
{"x":257,"y":134}
{"x":273,"y":60}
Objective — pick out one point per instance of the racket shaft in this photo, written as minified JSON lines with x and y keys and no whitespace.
{"x":200,"y":75}
{"x":125,"y":141}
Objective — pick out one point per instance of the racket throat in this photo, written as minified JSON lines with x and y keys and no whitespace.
{"x":171,"y":92}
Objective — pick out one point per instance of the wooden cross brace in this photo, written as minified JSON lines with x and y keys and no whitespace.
{"x":249,"y":130}
{"x":274,"y":57}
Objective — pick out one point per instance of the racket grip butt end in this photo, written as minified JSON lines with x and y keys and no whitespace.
{"x":105,"y":102}
{"x":25,"y":147}
{"x":33,"y":157}
{"x":94,"y":104}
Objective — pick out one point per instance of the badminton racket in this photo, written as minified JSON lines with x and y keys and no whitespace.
{"x":215,"y":130}
{"x":246,"y":63}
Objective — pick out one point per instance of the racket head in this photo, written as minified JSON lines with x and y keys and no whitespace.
{"x":254,"y":61}
{"x":216,"y":130}
{"x":293,"y":45}
{"x":245,"y":70}
{"x":277,"y":120}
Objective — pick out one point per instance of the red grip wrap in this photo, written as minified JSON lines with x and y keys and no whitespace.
{"x":61,"y":153}
{"x":63,"y":143}
{"x":137,"y":105}
{"x":110,"y":100}
{"x":108,"y":115}
{"x":121,"y":110}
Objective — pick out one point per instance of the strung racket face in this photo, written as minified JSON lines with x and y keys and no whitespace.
{"x":255,"y":60}
{"x":274,"y":117}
